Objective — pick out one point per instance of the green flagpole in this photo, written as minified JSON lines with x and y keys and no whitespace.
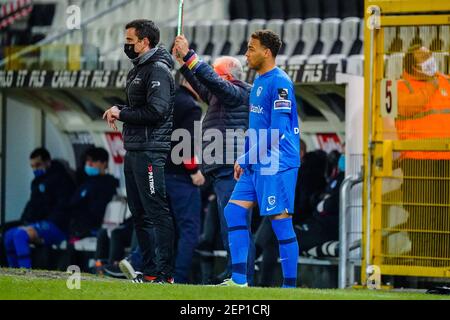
{"x":180,"y":17}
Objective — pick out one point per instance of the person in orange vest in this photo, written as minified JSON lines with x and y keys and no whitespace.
{"x":424,"y":115}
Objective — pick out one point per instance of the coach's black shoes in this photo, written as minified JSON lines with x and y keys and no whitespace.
{"x":141,"y":278}
{"x":164,"y":280}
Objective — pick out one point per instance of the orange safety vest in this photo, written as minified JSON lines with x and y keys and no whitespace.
{"x":431,"y":120}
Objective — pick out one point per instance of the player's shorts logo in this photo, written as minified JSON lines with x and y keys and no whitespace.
{"x":272,"y":200}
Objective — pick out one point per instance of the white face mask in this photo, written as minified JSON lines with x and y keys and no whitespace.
{"x":429,"y":67}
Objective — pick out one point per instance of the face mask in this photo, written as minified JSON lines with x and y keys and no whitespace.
{"x":91,"y":171}
{"x":341,"y":163}
{"x":39,"y":172}
{"x":129,"y":51}
{"x":429,"y":67}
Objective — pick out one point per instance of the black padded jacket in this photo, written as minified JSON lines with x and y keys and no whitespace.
{"x":150,"y":92}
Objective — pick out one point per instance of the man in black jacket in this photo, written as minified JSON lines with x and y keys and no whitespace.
{"x":147,"y":129}
{"x":228,"y":108}
{"x":44,"y":216}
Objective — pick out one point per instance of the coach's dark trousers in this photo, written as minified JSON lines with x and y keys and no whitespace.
{"x":146,"y":194}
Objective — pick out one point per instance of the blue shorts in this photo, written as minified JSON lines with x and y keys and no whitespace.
{"x":49,"y":232}
{"x":275,"y":194}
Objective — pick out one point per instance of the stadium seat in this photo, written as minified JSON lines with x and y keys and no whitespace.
{"x":389,"y":36}
{"x":257,"y":9}
{"x":202,"y":10}
{"x":316,"y":59}
{"x":349,"y":34}
{"x":327,"y":249}
{"x":297,"y":60}
{"x":358,"y":47}
{"x":331,"y":8}
{"x":59,"y":20}
{"x":339,"y":59}
{"x":329,"y":34}
{"x":312,"y":9}
{"x":253,"y":25}
{"x":237,"y":36}
{"x":189,"y":32}
{"x":275,"y":9}
{"x":293,"y":9}
{"x":116,"y":14}
{"x":444,"y":35}
{"x":427,"y":34}
{"x":292,"y":35}
{"x":203,"y":37}
{"x":276,"y":25}
{"x":407,"y":35}
{"x":88,"y":9}
{"x":310,"y":35}
{"x":115,"y":213}
{"x":281,"y":60}
{"x":442,"y":60}
{"x":394,"y":65}
{"x":355,"y":65}
{"x":132,"y":12}
{"x":219,"y":36}
{"x":167,"y":35}
{"x":152,"y":9}
{"x":97,"y":7}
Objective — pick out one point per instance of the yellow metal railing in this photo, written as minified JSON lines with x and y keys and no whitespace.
{"x":407,"y":145}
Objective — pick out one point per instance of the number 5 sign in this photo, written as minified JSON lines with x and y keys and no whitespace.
{"x":388,"y":101}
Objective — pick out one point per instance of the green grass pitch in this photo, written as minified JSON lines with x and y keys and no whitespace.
{"x":46,"y":285}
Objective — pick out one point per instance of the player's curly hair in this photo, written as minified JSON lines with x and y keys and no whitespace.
{"x":269,"y":39}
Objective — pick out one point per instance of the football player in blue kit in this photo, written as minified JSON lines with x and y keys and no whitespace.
{"x":267,"y":171}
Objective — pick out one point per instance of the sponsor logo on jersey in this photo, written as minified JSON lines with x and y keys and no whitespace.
{"x":257,"y":109}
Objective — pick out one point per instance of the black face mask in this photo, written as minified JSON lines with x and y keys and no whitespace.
{"x":129,"y":51}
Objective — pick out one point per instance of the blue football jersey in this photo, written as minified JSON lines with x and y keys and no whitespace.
{"x":273,"y":106}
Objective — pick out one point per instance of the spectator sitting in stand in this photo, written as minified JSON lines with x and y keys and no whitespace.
{"x":44,"y":220}
{"x":87,"y":206}
{"x":323,"y":226}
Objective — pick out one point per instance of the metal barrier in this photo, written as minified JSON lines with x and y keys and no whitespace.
{"x":344,"y":248}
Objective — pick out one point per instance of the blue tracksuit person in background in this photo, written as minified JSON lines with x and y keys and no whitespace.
{"x":44,"y":218}
{"x":267,"y":172}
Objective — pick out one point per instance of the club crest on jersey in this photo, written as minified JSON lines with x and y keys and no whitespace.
{"x":259,"y":91}
{"x":283,"y":93}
